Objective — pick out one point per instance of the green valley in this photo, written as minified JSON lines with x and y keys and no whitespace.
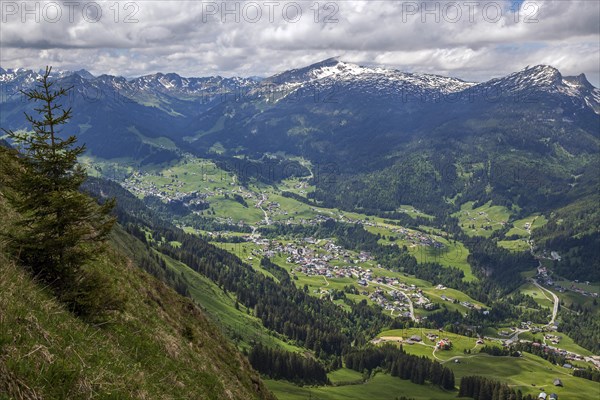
{"x":237,"y":238}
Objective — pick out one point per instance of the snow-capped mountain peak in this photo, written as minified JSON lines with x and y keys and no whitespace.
{"x":537,"y":76}
{"x":334,"y":72}
{"x":542,"y":74}
{"x":328,"y":76}
{"x":545,"y":79}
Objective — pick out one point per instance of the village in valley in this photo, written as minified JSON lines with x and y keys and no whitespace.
{"x":325,"y":268}
{"x":208,"y":190}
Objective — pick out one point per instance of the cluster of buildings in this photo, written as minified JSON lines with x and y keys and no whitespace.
{"x":444,"y":344}
{"x":554,"y":339}
{"x":551,"y":396}
{"x":402,"y":298}
{"x":465,"y":303}
{"x":273,"y":207}
{"x":440,"y":344}
{"x":543,"y":276}
{"x":546,"y":347}
{"x":564,"y":353}
{"x":581,"y":291}
{"x":139,"y":185}
{"x":414,"y":237}
{"x":394,"y":301}
{"x":312,"y":259}
{"x":315,"y":258}
{"x":318,"y":261}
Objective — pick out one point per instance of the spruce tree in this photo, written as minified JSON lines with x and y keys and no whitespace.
{"x":447,"y":379}
{"x":60,"y":228}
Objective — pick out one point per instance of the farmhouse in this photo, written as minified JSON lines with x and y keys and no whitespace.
{"x":444,"y":344}
{"x":432,"y":336}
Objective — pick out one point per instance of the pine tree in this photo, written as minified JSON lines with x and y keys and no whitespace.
{"x":465,"y":389}
{"x":60,"y":228}
{"x":448,"y":379}
{"x":435,"y":374}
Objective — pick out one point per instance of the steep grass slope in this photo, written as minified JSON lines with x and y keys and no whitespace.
{"x":161,"y":346}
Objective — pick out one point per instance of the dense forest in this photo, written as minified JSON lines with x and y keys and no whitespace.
{"x":280,"y":364}
{"x":583,"y":327}
{"x":397,"y":362}
{"x":588,"y":373}
{"x":480,"y":388}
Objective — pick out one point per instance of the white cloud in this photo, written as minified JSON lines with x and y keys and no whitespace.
{"x":200,"y":38}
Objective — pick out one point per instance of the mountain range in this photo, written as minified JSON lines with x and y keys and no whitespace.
{"x":296,"y":111}
{"x":529,"y":140}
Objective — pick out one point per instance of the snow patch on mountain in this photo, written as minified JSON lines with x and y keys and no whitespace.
{"x":326,"y":75}
{"x":382,"y":77}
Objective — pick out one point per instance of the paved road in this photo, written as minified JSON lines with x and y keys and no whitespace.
{"x":556,"y":301}
{"x":515,"y":336}
{"x":263,"y":198}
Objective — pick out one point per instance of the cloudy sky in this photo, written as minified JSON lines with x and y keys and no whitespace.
{"x":473,"y":40}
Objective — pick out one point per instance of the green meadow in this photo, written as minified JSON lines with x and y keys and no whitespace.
{"x":528,"y":373}
{"x":380,"y":387}
{"x":542,"y":298}
{"x":518,"y":245}
{"x":483,"y":220}
{"x":521,"y":227}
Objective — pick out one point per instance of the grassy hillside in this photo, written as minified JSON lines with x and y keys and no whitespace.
{"x":161,"y":346}
{"x":483,"y":220}
{"x":381,"y":387}
{"x":238,"y":324}
{"x":529,"y":373}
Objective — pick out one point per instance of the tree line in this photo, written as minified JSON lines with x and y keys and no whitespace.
{"x":481,"y":388}
{"x":281,"y":364}
{"x":398,"y":363}
{"x":588,"y":373}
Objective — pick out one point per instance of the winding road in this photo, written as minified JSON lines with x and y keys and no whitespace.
{"x":556,"y":300}
{"x":259,"y":205}
{"x":543,"y":289}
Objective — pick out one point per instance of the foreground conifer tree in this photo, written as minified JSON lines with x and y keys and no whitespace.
{"x":59,"y":228}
